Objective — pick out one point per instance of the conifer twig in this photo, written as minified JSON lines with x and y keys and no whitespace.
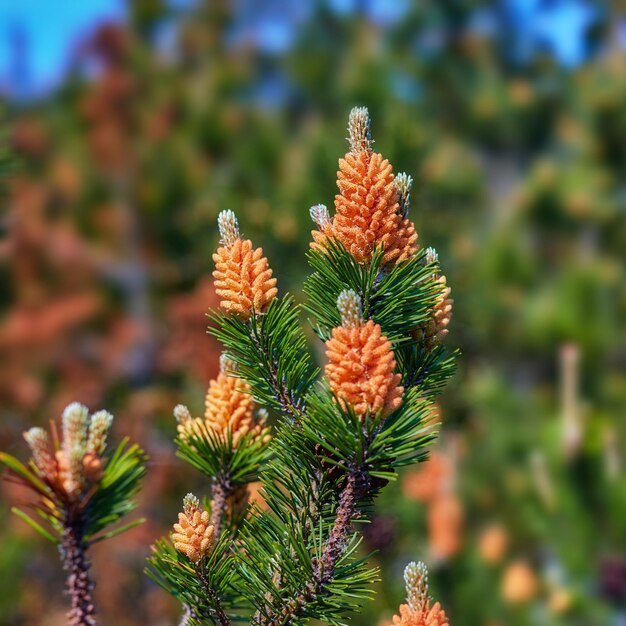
{"x":324,"y":568}
{"x":381,"y":309}
{"x":290,"y":406}
{"x":81,"y":490}
{"x":221,"y":491}
{"x":212,"y":597}
{"x":336,"y":543}
{"x":76,"y":564}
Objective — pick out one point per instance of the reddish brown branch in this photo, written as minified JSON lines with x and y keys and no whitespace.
{"x":79,"y":583}
{"x":220,"y":493}
{"x":324,"y":569}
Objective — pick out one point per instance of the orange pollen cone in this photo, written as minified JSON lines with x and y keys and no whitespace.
{"x":360,"y":369}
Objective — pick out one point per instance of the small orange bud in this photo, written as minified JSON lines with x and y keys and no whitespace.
{"x":229,"y":408}
{"x":92,"y":467}
{"x":193,"y":535}
{"x":361,"y":364}
{"x":243,"y":278}
{"x":437,"y":327}
{"x":418,"y":610}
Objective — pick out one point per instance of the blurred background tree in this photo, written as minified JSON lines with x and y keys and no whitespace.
{"x":511,"y":118}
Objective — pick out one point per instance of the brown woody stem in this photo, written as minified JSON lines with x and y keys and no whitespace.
{"x":220,"y":493}
{"x":76,"y":564}
{"x":324,"y":568}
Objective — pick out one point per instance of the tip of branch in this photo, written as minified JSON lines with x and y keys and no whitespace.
{"x":431,"y":256}
{"x":320,"y":215}
{"x":181,"y":414}
{"x":416,"y":581}
{"x":349,"y":307}
{"x":359,"y":131}
{"x":403,"y":182}
{"x":228,"y":227}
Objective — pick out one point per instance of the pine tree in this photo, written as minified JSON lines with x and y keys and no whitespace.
{"x":378,"y":303}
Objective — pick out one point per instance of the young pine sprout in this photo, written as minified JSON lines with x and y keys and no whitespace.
{"x":419,"y":610}
{"x":243,"y":278}
{"x":193,"y":534}
{"x":368,"y":210}
{"x":80,"y":491}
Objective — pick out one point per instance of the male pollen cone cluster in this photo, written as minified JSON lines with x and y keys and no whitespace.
{"x":74,"y":463}
{"x":230,"y":410}
{"x":193,"y":534}
{"x":371,"y":206}
{"x":361,"y":363}
{"x":243,"y":278}
{"x":418,"y":611}
{"x":437,"y":327}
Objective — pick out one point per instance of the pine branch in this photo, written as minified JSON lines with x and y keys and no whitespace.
{"x":213,"y":597}
{"x":81,"y":491}
{"x":271,"y":354}
{"x":381,"y":307}
{"x":289,"y":403}
{"x":324,"y":569}
{"x":76,"y":564}
{"x":208,"y":588}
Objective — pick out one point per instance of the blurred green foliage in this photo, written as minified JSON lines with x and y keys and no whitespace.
{"x":519,"y":184}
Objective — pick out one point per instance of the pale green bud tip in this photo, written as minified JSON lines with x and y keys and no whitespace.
{"x":416,"y":582}
{"x":101,"y":420}
{"x":98,"y":431}
{"x":349,"y":307}
{"x":431,"y":256}
{"x":39,"y":444}
{"x":403,"y":182}
{"x":75,"y":411}
{"x":182,"y":414}
{"x":359,"y":133}
{"x":75,"y":421}
{"x":320,"y":215}
{"x":261,"y":416}
{"x":227,"y":365}
{"x":228,"y":227}
{"x":36,"y":438}
{"x":190,"y":504}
